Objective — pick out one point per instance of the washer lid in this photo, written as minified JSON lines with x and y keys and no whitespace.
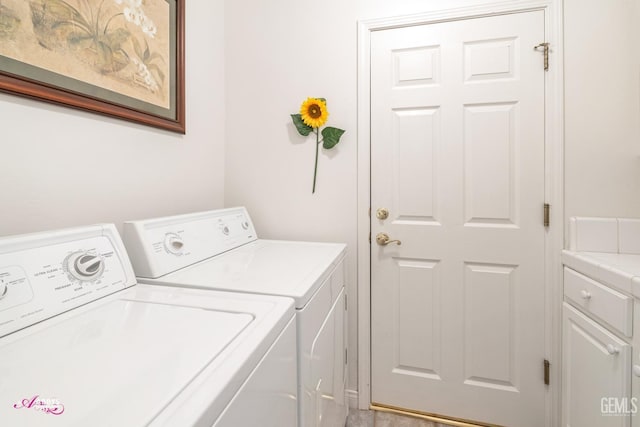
{"x":272,"y":267}
{"x":118,"y":364}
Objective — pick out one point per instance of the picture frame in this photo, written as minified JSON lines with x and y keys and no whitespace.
{"x":119,"y":58}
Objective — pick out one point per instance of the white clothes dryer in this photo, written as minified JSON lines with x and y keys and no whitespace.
{"x":220,"y":250}
{"x":81,"y":344}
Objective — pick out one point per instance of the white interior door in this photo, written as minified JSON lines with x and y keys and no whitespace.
{"x":457,"y":158}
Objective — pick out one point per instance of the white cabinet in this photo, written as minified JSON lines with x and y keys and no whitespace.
{"x":601,"y":323}
{"x":596,"y":374}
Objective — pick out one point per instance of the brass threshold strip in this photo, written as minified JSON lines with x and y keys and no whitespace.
{"x":455,"y":422}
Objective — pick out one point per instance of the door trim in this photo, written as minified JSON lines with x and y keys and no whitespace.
{"x":554,"y":180}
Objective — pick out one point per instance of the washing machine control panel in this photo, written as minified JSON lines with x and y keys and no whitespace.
{"x":163,"y":245}
{"x":49,"y":273}
{"x":13,"y":287}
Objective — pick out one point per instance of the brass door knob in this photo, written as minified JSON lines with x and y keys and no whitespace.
{"x":383,"y":239}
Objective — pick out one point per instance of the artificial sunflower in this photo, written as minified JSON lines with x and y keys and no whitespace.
{"x":314,"y":112}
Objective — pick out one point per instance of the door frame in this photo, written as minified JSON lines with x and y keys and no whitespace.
{"x":554,"y":181}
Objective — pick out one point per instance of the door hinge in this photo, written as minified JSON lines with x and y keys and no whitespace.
{"x":545,"y":49}
{"x":546,"y":221}
{"x":547,"y":368}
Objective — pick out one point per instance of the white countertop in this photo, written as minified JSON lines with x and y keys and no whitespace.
{"x":621,"y":271}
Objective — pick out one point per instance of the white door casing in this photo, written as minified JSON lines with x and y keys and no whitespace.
{"x":457,"y":157}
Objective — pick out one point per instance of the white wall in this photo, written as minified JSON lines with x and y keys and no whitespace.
{"x":602,"y":108}
{"x":60,"y":167}
{"x":278,"y":53}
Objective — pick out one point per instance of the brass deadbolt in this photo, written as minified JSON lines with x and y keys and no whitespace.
{"x":382,"y":213}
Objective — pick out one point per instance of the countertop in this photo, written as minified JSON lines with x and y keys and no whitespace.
{"x":620,"y":271}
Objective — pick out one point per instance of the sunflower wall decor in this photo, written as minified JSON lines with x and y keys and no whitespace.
{"x":313,"y":115}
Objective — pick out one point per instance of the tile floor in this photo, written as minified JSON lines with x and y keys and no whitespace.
{"x":384,"y":419}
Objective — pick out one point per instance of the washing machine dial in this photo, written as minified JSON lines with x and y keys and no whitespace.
{"x":245,"y":225}
{"x":173,"y":243}
{"x":225,"y":230}
{"x":84,"y":266}
{"x":3,"y":289}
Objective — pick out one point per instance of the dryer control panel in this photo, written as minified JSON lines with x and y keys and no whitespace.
{"x":45,"y":274}
{"x":163,"y":245}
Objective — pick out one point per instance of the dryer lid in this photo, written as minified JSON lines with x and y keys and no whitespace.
{"x":271,"y":267}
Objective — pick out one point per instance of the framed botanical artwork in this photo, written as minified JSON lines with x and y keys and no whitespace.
{"x":121,"y":58}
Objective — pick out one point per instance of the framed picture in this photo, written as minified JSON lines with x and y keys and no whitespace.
{"x":121,"y":58}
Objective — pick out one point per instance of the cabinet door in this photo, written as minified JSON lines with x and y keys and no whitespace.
{"x":635,"y":363}
{"x":596,"y":374}
{"x":635,"y":381}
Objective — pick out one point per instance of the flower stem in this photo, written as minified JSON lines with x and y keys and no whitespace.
{"x":315,"y":169}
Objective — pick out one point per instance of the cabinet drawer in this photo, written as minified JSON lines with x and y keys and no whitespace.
{"x":614,"y":308}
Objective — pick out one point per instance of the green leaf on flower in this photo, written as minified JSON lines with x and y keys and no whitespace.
{"x":303,"y":128}
{"x":322,"y":99}
{"x":331,"y":137}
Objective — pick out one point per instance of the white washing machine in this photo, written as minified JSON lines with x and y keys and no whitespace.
{"x":220,"y":250}
{"x":81,"y":344}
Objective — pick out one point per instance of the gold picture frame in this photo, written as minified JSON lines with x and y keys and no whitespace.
{"x":120,"y":58}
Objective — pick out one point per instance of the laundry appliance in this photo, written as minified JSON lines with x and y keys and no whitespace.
{"x":220,"y":250}
{"x":82,"y":344}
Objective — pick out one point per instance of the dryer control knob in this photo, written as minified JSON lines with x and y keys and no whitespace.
{"x":85,"y":266}
{"x":3,"y":289}
{"x":245,"y":225}
{"x":225,"y":230}
{"x":174,"y":244}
